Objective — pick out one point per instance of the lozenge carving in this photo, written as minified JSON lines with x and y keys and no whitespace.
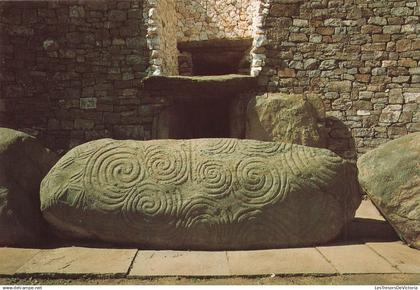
{"x":200,"y":194}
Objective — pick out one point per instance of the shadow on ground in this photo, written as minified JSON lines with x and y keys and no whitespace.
{"x":359,"y":231}
{"x":365,"y":230}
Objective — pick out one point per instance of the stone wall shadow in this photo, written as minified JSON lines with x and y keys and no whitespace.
{"x":340,"y":139}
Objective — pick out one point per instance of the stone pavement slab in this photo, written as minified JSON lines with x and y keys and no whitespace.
{"x":353,"y":259}
{"x":406,"y":259}
{"x":180,"y":263}
{"x":13,"y":258}
{"x":82,"y":261}
{"x":367,"y":210}
{"x":282,"y":261}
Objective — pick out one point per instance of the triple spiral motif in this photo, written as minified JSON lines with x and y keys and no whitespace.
{"x":167,"y":166}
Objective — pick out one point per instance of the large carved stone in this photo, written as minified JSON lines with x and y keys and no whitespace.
{"x":286,"y":118}
{"x":390,"y":175}
{"x":200,"y":194}
{"x":23,"y":164}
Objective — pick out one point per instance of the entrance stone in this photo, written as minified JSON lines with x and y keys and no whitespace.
{"x":208,"y":194}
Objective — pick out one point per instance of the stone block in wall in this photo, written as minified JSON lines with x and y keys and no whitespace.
{"x":395,"y":96}
{"x":88,"y":103}
{"x":285,"y":9}
{"x":339,"y":86}
{"x":403,"y":45}
{"x":391,"y":114}
{"x":412,"y":97}
{"x":298,"y":37}
{"x":135,"y":132}
{"x":84,"y":124}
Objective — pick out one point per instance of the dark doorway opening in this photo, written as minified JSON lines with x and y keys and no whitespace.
{"x":203,"y":118}
{"x":216,"y":57}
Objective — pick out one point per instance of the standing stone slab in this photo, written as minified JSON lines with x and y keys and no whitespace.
{"x":200,"y":194}
{"x":286,"y":118}
{"x":390,"y":175}
{"x":23,"y":164}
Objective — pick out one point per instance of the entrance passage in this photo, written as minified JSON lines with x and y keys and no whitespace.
{"x":203,"y":118}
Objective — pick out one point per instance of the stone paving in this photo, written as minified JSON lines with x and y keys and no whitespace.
{"x":380,"y":255}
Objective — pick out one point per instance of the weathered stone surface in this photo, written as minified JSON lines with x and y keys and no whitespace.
{"x":352,"y":259}
{"x":200,"y":194}
{"x":215,"y":84}
{"x":285,"y":118}
{"x":23,"y":164}
{"x":14,"y":258}
{"x":79,"y":261}
{"x":279,"y":261}
{"x":180,"y":263}
{"x":390,"y":175}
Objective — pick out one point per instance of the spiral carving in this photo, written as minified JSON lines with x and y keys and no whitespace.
{"x":112,"y":172}
{"x":153,"y":210}
{"x":183,"y":194}
{"x":252,"y":147}
{"x":165,"y":166}
{"x":198,"y":210}
{"x":150,"y":200}
{"x":260,"y":182}
{"x":215,"y":177}
{"x":217,"y":146}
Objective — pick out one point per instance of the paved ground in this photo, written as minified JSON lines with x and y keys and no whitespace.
{"x":369,"y":247}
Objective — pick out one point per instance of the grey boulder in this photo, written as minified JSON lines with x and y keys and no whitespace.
{"x":390,"y":175}
{"x":23,"y":164}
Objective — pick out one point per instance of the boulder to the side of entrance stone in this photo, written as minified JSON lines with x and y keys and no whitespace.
{"x":208,"y":194}
{"x":390,"y":175}
{"x":290,"y":118}
{"x":24,"y":162}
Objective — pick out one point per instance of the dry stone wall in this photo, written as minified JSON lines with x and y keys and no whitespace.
{"x":361,"y":56}
{"x":71,"y":71}
{"x":161,"y":24}
{"x":169,"y":22}
{"x":215,"y":19}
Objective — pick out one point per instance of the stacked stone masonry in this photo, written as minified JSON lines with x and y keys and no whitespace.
{"x":161,"y":37}
{"x":169,"y":22}
{"x":203,"y":19}
{"x":361,"y":56}
{"x":72,"y":71}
